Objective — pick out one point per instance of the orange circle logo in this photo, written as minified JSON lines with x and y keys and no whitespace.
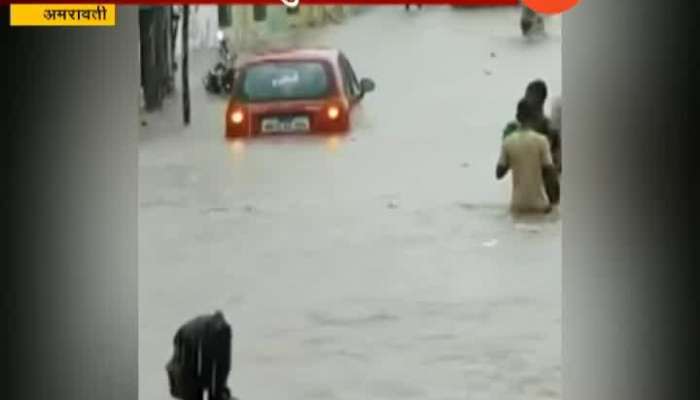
{"x":550,"y":6}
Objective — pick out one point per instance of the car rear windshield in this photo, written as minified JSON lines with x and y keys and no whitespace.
{"x":297,"y":80}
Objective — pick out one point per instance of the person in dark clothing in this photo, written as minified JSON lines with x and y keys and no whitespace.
{"x":536,"y":94}
{"x":201,"y":360}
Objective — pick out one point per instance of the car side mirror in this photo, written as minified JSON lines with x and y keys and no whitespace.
{"x":366,"y":85}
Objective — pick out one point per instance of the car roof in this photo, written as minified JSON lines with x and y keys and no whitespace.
{"x":301,"y":54}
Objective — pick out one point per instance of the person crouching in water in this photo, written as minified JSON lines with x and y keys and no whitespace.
{"x":531,"y":23}
{"x":201,"y":359}
{"x":527,"y":155}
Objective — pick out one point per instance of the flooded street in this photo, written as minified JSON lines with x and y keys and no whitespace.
{"x":379,"y":265}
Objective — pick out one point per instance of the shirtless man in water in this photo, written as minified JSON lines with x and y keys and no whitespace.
{"x":526,"y":153}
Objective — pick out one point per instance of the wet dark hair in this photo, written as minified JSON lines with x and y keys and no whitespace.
{"x":217,"y":320}
{"x":525,"y":112}
{"x":536,"y":91}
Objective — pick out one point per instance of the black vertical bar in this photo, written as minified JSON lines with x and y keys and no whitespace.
{"x":185,"y":64}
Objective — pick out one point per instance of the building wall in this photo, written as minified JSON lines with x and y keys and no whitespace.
{"x":278,"y":26}
{"x":246,"y":33}
{"x":155,"y":57}
{"x":204,"y":22}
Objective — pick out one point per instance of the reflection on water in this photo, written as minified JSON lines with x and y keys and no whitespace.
{"x":536,"y":219}
{"x":332,"y":143}
{"x":519,"y":219}
{"x":236,"y":147}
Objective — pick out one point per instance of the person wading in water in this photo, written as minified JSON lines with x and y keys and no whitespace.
{"x":536,"y":95}
{"x":531,"y":22}
{"x":526,"y":153}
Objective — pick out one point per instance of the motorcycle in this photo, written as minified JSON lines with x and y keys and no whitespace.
{"x":219,"y":80}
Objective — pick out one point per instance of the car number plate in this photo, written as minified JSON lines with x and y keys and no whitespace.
{"x":294,"y":124}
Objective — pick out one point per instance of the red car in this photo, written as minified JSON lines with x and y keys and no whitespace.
{"x":305,"y":90}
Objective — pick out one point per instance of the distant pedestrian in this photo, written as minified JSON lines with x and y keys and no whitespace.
{"x":531,"y":22}
{"x":527,"y":155}
{"x":201,"y":360}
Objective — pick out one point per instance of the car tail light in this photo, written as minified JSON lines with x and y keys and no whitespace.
{"x":334,"y":109}
{"x":333,"y":112}
{"x":237,"y":116}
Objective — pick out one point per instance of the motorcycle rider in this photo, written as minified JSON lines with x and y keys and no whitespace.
{"x":220,"y":78}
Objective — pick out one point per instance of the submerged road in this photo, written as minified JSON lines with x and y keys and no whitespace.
{"x":382,"y":265}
